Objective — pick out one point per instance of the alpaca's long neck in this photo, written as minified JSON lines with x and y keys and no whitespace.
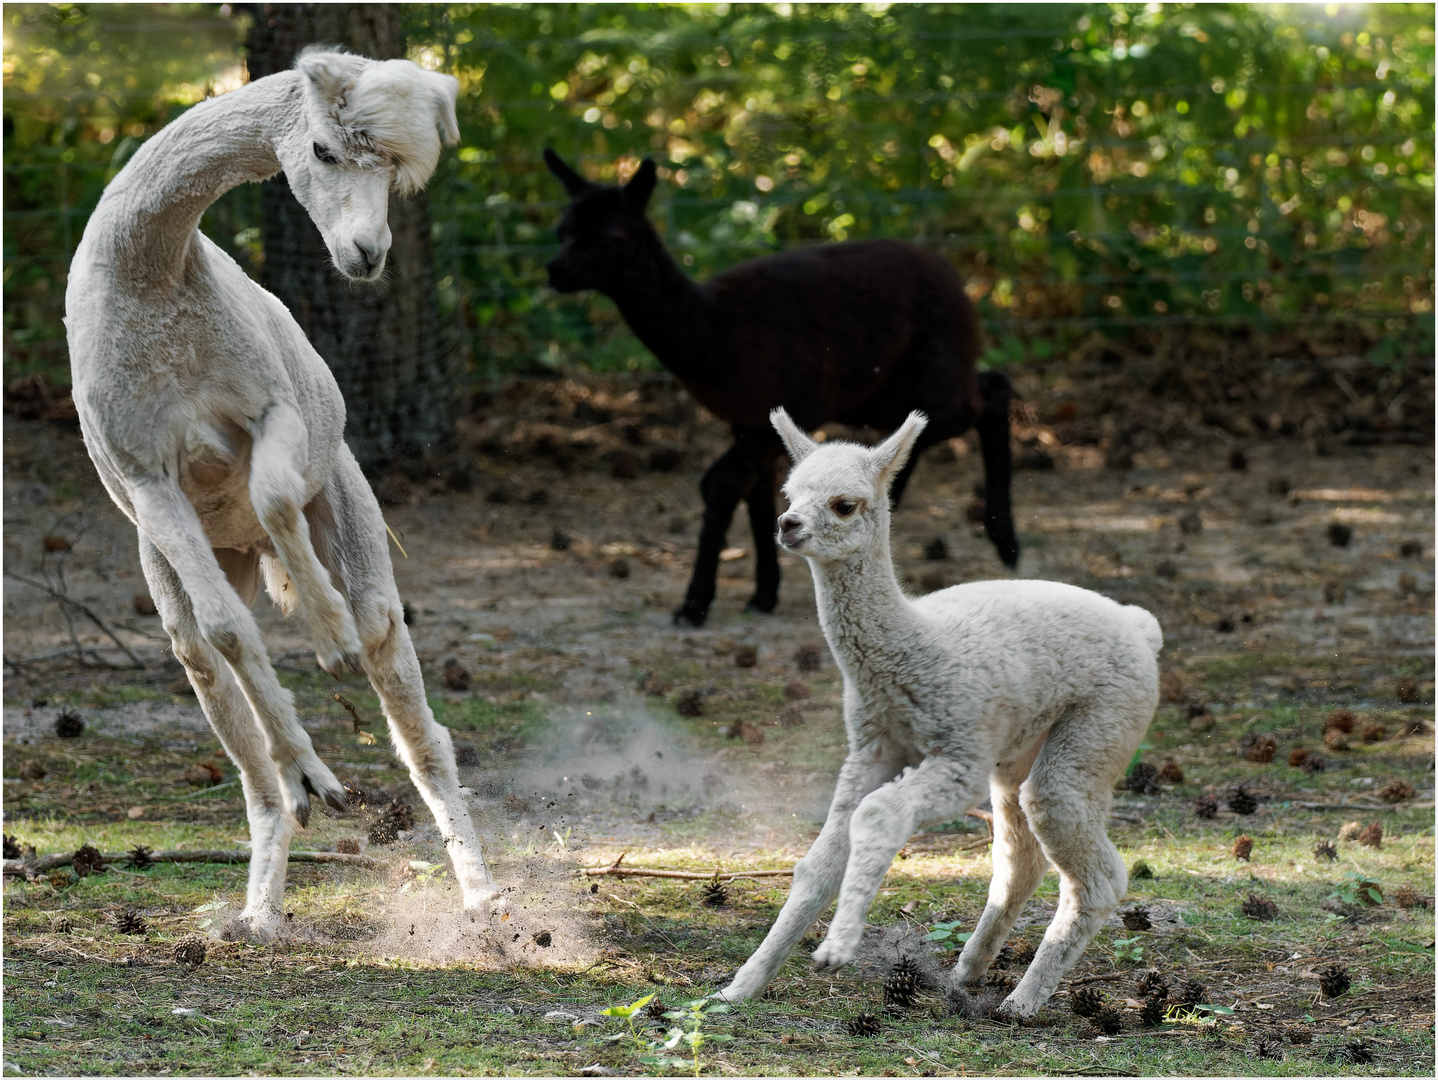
{"x":672,"y":315}
{"x":147,"y":218}
{"x":863,"y":613}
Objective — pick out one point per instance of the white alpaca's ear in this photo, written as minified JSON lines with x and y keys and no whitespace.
{"x":796,"y":442}
{"x":330,"y":73}
{"x":891,"y":455}
{"x":446,"y":90}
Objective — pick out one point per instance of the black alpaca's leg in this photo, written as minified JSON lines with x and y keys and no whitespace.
{"x":726,"y":482}
{"x":935,"y":433}
{"x":762,"y":517}
{"x":994,"y":443}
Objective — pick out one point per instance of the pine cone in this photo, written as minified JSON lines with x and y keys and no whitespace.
{"x":1171,"y":772}
{"x":1325,"y":849}
{"x":1016,"y":952}
{"x":1137,"y":919}
{"x":1311,"y":763}
{"x":1299,"y":1036}
{"x":1106,"y":1021}
{"x":1192,"y":993}
{"x":1372,"y":836}
{"x":863,"y":1025}
{"x":1333,"y":981}
{"x":1356,"y":1052}
{"x":1397,"y":790}
{"x":1154,"y":1010}
{"x":68,"y":725}
{"x":347,"y":847}
{"x":190,"y":951}
{"x":139,"y":858}
{"x":1142,"y":779}
{"x":1260,"y":908}
{"x":1205,"y":806}
{"x":130,"y":921}
{"x":903,"y":984}
{"x":714,"y":894}
{"x":1349,"y":831}
{"x":1152,"y":983}
{"x":87,"y":861}
{"x":1374,"y":733}
{"x":62,"y":925}
{"x":1335,"y":740}
{"x":1086,"y":1001}
{"x":1001,"y":981}
{"x":1259,"y":748}
{"x":691,"y":703}
{"x":1267,"y":1049}
{"x":1243,"y":848}
{"x":1405,"y":896}
{"x":1241,"y":801}
{"x":1340,"y":720}
{"x":12,"y":847}
{"x":656,"y":1009}
{"x":808,"y":657}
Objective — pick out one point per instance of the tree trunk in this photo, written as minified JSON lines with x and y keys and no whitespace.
{"x":395,"y":359}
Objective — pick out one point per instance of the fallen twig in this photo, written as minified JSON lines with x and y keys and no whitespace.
{"x":354,"y":713}
{"x":63,"y":599}
{"x":1365,"y":807}
{"x":685,"y":875}
{"x":235,"y":855}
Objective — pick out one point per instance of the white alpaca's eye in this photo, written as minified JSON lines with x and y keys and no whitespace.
{"x":843,"y":507}
{"x":323,"y":153}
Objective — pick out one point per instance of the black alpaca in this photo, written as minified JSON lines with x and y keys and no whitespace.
{"x":860,"y":333}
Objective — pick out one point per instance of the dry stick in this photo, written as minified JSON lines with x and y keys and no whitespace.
{"x":63,"y":599}
{"x":236,"y":855}
{"x":686,"y":875}
{"x":354,"y":714}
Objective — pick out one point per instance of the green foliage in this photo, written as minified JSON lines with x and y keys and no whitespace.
{"x":1356,"y":889}
{"x":1118,"y":166}
{"x":948,"y":932}
{"x":1128,"y":950}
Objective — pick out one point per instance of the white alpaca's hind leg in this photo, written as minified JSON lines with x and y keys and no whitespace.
{"x":229,"y":715}
{"x":277,"y":492}
{"x":224,"y":622}
{"x":818,"y":875}
{"x":938,"y":790}
{"x":1066,"y":800}
{"x":358,"y":545}
{"x":1018,"y":867}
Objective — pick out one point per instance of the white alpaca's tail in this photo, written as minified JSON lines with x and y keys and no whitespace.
{"x":1147,"y":624}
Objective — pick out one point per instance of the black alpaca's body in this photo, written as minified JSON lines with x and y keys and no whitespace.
{"x":861,"y":333}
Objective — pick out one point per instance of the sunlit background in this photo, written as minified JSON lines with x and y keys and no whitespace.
{"x":1135,"y":170}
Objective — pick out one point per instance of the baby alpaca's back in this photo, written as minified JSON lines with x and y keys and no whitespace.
{"x":1069,"y":634}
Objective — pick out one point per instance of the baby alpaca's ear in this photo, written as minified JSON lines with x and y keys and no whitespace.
{"x":889,"y":457}
{"x":796,"y":442}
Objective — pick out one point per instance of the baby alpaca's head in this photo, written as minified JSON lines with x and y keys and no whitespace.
{"x":839,"y":492}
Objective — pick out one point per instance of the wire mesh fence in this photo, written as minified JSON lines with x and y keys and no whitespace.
{"x":1140,"y":171}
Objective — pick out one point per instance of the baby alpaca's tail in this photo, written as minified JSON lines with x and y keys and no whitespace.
{"x":1145,"y":622}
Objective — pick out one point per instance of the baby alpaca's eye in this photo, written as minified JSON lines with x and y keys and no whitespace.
{"x":843,"y":507}
{"x":324,"y":154}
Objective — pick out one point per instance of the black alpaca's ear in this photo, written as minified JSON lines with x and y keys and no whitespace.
{"x":573,"y":183}
{"x":640,"y":186}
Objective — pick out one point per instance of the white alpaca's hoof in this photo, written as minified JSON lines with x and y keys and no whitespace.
{"x":832,"y":954}
{"x":259,"y":928}
{"x":307,"y":775}
{"x":736,"y":992}
{"x":1015,"y":1010}
{"x":488,"y":900}
{"x":341,"y":661}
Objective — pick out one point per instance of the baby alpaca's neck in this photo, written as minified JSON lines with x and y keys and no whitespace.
{"x":863,"y":613}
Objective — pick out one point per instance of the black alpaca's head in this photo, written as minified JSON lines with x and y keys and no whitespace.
{"x":604,"y":234}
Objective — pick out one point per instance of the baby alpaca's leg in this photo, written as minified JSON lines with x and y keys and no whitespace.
{"x":817,"y":875}
{"x":1019,"y":866}
{"x":938,"y":790}
{"x":1066,"y":800}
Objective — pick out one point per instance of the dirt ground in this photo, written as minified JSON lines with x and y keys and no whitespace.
{"x":1290,"y":562}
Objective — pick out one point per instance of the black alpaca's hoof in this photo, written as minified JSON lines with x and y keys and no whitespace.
{"x":690,"y":614}
{"x":763,"y":605}
{"x":1007,"y":545}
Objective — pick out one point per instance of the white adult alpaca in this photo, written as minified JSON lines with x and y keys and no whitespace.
{"x":1040,"y":690}
{"x":216,"y":429}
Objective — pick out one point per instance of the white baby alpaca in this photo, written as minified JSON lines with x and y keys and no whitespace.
{"x":1040,"y":690}
{"x":217,"y":429}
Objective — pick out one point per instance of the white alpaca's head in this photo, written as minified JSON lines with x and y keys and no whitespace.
{"x":370,"y":126}
{"x":839,"y":492}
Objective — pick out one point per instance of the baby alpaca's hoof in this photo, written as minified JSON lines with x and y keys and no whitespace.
{"x":1012,"y":1011}
{"x":832,"y":954}
{"x":763,"y":605}
{"x":256,"y":929}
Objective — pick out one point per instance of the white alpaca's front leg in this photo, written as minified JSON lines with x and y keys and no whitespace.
{"x":818,"y":874}
{"x":277,"y":492}
{"x":938,"y":790}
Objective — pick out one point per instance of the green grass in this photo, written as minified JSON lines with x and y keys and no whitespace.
{"x":95,"y":1001}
